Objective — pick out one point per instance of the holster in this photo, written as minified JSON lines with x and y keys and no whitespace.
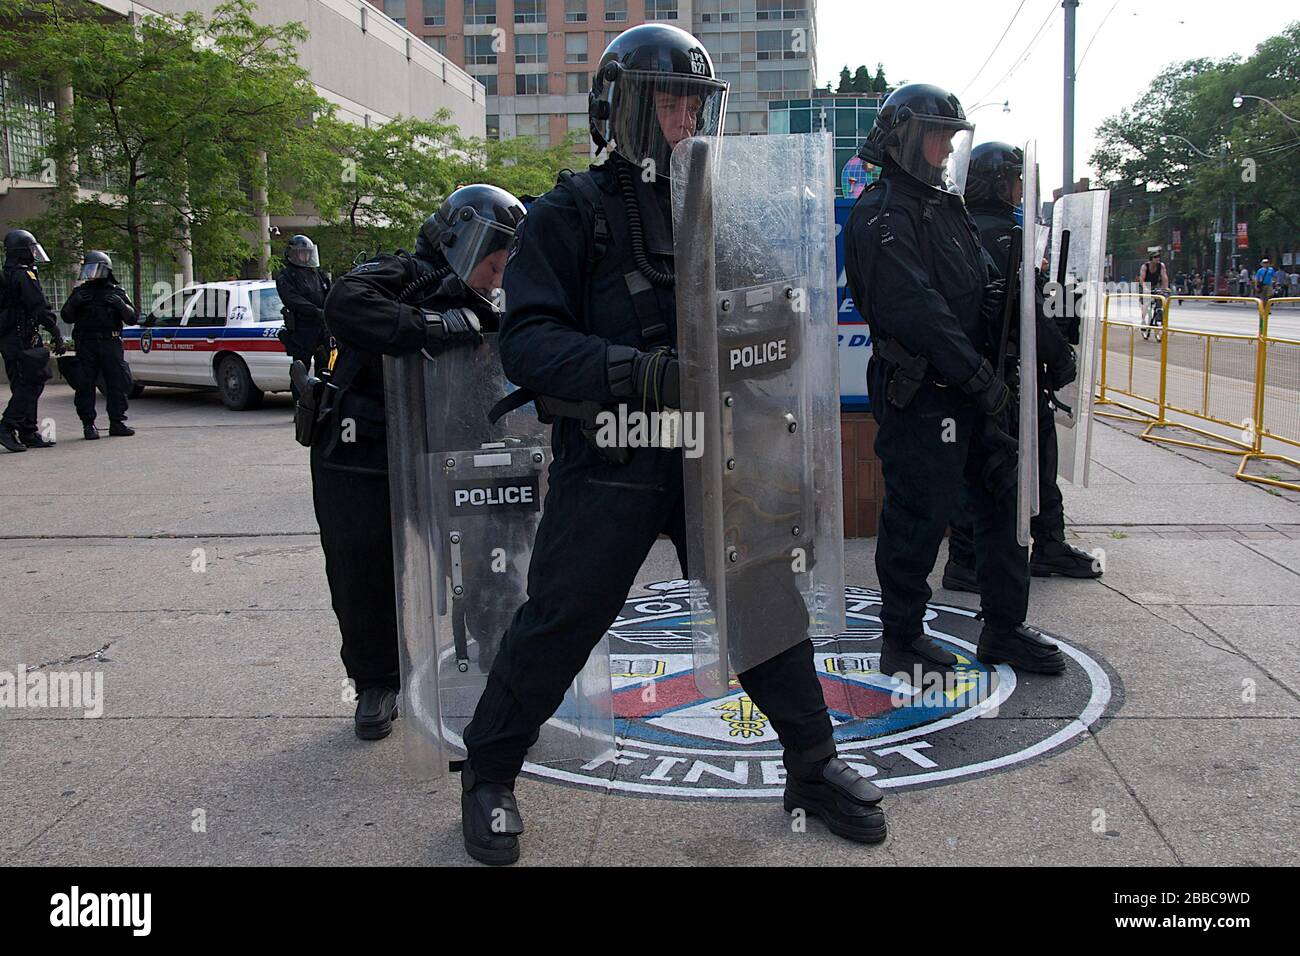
{"x":311,"y":409}
{"x":550,"y":408}
{"x":290,"y":320}
{"x":905,"y":379}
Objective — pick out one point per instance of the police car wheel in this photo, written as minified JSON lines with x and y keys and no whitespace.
{"x":238,"y":392}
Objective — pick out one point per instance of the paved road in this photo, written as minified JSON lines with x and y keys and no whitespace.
{"x":1230,"y":317}
{"x":222,"y":684}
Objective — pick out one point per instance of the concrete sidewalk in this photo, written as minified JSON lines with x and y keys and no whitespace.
{"x":224,"y":704}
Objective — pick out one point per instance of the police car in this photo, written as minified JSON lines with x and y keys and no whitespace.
{"x":218,"y":335}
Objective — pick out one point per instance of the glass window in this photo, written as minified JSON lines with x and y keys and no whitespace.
{"x":530,"y":47}
{"x":209,"y":308}
{"x":396,"y":9}
{"x":489,"y":81}
{"x":575,"y":48}
{"x":478,"y":49}
{"x":493,"y":125}
{"x":661,"y":9}
{"x":30,"y":110}
{"x":168,"y":311}
{"x":771,"y":44}
{"x":798,"y":81}
{"x":801,"y":121}
{"x":575,"y":11}
{"x":577,"y":83}
{"x":530,"y":11}
{"x":778,"y":121}
{"x":616,"y":11}
{"x":480,"y":11}
{"x":435,"y":13}
{"x":535,"y":125}
{"x":266,"y":305}
{"x":530,"y":84}
{"x":781,"y":9}
{"x":578,"y":123}
{"x":438,"y":43}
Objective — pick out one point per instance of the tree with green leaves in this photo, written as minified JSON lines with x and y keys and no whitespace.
{"x":168,"y":119}
{"x":846,"y":81}
{"x":861,"y":80}
{"x":1182,"y":153}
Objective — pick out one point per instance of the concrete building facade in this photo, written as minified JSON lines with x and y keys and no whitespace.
{"x":535,"y":58}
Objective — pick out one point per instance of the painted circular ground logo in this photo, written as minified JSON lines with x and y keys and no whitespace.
{"x":672,"y":741}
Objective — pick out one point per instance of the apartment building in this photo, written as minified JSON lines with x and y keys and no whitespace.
{"x":368,"y":66}
{"x":535,"y":57}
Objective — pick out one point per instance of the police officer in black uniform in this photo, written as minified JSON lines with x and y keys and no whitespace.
{"x":993,"y":195}
{"x":918,"y":272}
{"x":303,"y":286}
{"x":391,"y":305}
{"x":23,"y":307}
{"x":97,"y":310}
{"x":590,"y":322}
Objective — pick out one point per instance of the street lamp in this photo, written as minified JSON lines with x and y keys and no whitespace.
{"x":1005,"y":104}
{"x":1165,"y":139}
{"x":1242,"y":97}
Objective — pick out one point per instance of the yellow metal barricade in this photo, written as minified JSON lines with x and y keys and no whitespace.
{"x":1277,"y":398}
{"x":1130,"y":363}
{"x":1236,"y":392}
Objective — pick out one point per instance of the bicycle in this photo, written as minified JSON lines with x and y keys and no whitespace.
{"x":1155,"y":318}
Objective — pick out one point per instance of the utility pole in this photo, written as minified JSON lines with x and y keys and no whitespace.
{"x":1067,"y":172}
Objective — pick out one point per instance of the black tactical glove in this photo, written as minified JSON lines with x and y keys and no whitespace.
{"x":647,"y":375}
{"x":989,"y":393}
{"x":59,"y":345}
{"x":1064,"y":371}
{"x":443,"y":329}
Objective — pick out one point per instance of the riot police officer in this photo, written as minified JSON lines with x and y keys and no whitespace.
{"x":97,"y":310}
{"x":917,"y":270}
{"x":23,"y":308}
{"x":303,"y":286}
{"x":391,"y":305}
{"x":993,"y":195}
{"x":589,"y":324}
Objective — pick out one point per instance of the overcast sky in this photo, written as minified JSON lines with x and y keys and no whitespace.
{"x":946,"y":41}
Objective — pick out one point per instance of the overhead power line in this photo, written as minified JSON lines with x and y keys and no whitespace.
{"x":994,"y":50}
{"x":1024,"y":54}
{"x":1094,"y":36}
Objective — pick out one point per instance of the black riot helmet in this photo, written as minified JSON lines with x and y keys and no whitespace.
{"x":994,"y":170}
{"x":302,"y":252}
{"x":922,"y":130}
{"x":96,"y":265}
{"x":654,"y":87}
{"x":22,"y":248}
{"x":472,"y":231}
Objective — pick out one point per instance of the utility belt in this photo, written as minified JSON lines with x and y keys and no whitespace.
{"x":324,"y":405}
{"x":550,"y":408}
{"x":909,"y":372}
{"x":79,"y":335}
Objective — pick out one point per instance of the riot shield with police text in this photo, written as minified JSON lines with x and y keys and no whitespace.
{"x":753,"y":224}
{"x":1078,"y":261}
{"x":1027,"y":478}
{"x":466,"y":502}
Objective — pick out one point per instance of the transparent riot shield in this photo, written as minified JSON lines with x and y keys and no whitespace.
{"x":1078,"y":260}
{"x":1027,"y":459}
{"x":753,"y":223}
{"x":466,"y":501}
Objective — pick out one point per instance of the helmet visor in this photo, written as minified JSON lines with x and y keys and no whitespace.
{"x":308,"y":256}
{"x":94,"y":270}
{"x":935,"y":152}
{"x":38,"y":254}
{"x":477,"y":252}
{"x":653,"y":112}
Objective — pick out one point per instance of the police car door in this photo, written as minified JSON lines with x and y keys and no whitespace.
{"x":200,"y":336}
{"x":148,"y":347}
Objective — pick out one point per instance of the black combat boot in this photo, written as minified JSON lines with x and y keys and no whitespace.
{"x":9,"y":440}
{"x":1024,"y":648}
{"x":376,"y":711}
{"x":34,"y":440}
{"x":489,"y":819}
{"x":1057,"y":557}
{"x":824,"y":786}
{"x":120,"y":430}
{"x":90,"y":432}
{"x":915,"y":659}
{"x":959,"y":577}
